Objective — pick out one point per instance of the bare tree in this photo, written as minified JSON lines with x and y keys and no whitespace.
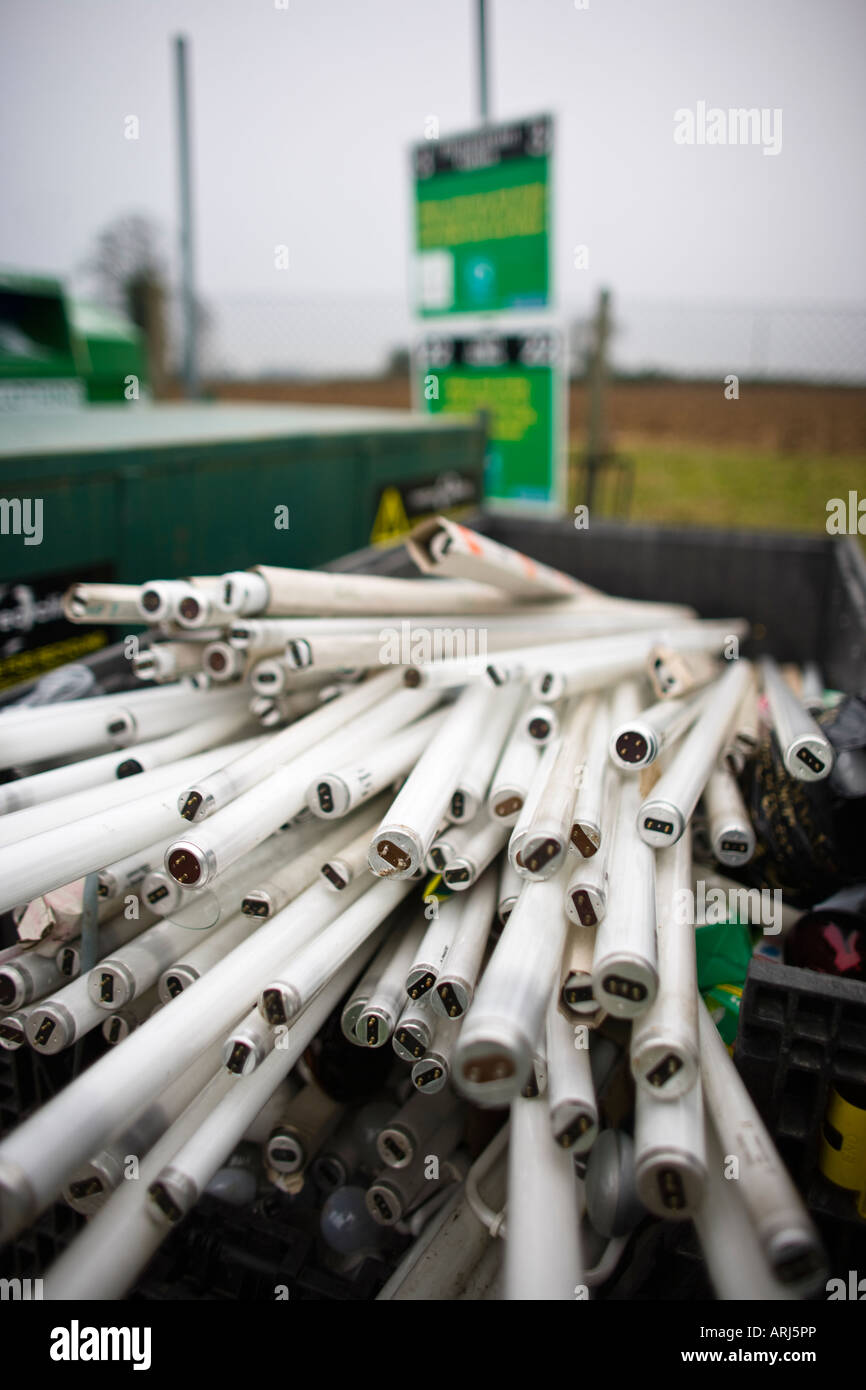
{"x":129,"y":271}
{"x":126,"y":260}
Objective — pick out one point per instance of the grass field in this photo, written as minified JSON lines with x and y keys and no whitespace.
{"x":769,"y":461}
{"x":737,"y":488}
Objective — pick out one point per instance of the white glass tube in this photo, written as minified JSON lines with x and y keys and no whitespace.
{"x":471,"y":791}
{"x":669,"y":1153}
{"x":664,"y":813}
{"x":202,"y":955}
{"x":34,"y":1167}
{"x":103,"y":769}
{"x":806,"y":750}
{"x":745,"y":731}
{"x":433,"y":948}
{"x":60,"y":1019}
{"x":213,"y":845}
{"x":507,"y":659}
{"x":571,"y":1099}
{"x":61,"y":811}
{"x":161,"y":893}
{"x":541,"y":723}
{"x":444,"y":547}
{"x":638,"y":742}
{"x":514,"y":773}
{"x":432,"y":1072}
{"x":92,"y":1184}
{"x":222,"y":662}
{"x":180,"y":1184}
{"x":248,"y":1044}
{"x":400,"y":845}
{"x":66,"y":1015}
{"x":127,"y":873}
{"x":134,"y":968}
{"x":162,"y":600}
{"x":450,"y":840}
{"x":304,"y":973}
{"x":293,"y":592}
{"x":510,"y":884}
{"x":277,"y":711}
{"x":494,"y":1054}
{"x":576,"y":992}
{"x":113,"y":933}
{"x":587,"y":889}
{"x":779,"y":1217}
{"x":334,"y":793}
{"x":516,"y":626}
{"x":215,"y":731}
{"x":625,"y":975}
{"x":379,"y":1016}
{"x":338,"y":870}
{"x":225,"y":894}
{"x":548,"y":832}
{"x":310,"y":845}
{"x":518,"y":838}
{"x":542,"y":1245}
{"x":118,"y":1025}
{"x":731,"y":836}
{"x":457,"y":980}
{"x":469,"y":863}
{"x":210,"y":794}
{"x":168,"y":661}
{"x":29,"y":976}
{"x":665,"y":1055}
{"x":78,"y":725}
{"x":589,"y":804}
{"x":12,"y":1028}
{"x":266,"y":636}
{"x":339,"y":652}
{"x":102,"y":603}
{"x":596,"y":663}
{"x":576,"y":672}
{"x":406,"y":1134}
{"x":396,"y":1194}
{"x":242,"y":592}
{"x":413,"y":1033}
{"x":365,"y":987}
{"x":736,"y":1262}
{"x":105,"y":1259}
{"x":274,"y":676}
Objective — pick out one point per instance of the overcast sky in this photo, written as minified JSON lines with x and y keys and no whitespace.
{"x":303,"y":117}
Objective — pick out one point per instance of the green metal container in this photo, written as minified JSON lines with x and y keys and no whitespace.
{"x":56,"y":353}
{"x":42,"y":361}
{"x":117,"y":366}
{"x":138,"y":492}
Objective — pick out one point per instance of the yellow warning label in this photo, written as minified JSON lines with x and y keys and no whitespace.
{"x":35,"y":661}
{"x":391,"y":522}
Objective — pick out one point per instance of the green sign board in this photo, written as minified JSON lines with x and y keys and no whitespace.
{"x":515,"y":379}
{"x":482,"y":216}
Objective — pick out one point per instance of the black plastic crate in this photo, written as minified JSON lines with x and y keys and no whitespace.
{"x":801,"y":1034}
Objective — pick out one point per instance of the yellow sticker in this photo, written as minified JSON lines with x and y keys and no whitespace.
{"x":391,"y":523}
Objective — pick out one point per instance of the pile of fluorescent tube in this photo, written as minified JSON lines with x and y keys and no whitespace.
{"x":458,"y":810}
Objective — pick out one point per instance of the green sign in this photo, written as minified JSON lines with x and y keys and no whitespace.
{"x":515,"y":379}
{"x":482,"y":214}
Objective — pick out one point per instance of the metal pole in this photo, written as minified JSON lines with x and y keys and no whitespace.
{"x":596,"y":441}
{"x":190,"y":345}
{"x":482,"y":63}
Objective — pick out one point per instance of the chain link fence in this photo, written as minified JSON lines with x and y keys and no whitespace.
{"x":259,"y":337}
